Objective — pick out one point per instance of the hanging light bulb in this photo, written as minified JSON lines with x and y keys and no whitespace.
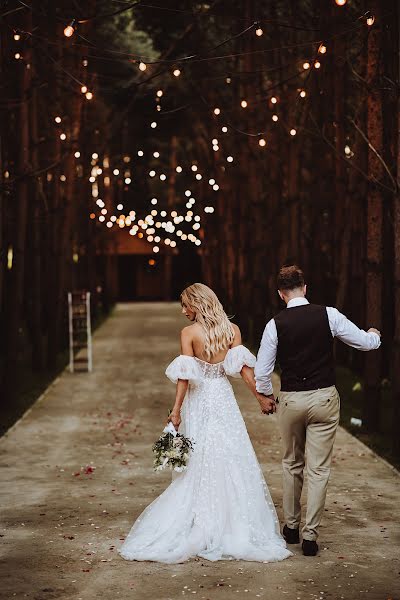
{"x":259,"y":31}
{"x":57,"y":119}
{"x":262,"y":142}
{"x":159,"y":93}
{"x":89,"y":96}
{"x":142,"y":66}
{"x":293,"y":132}
{"x":340,"y":2}
{"x":306,"y":65}
{"x":217,"y":111}
{"x":303,"y":93}
{"x":275,"y":118}
{"x":84,"y":89}
{"x":274,"y":100}
{"x":176,"y":72}
{"x":370,"y":20}
{"x":17,"y":37}
{"x":317,"y":64}
{"x":322,"y":49}
{"x":70,"y":29}
{"x":243,"y":104}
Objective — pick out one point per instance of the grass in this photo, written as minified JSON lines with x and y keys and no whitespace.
{"x":350,"y":387}
{"x":30,"y":385}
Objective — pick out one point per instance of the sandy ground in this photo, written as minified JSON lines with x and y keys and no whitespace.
{"x":77,"y":470}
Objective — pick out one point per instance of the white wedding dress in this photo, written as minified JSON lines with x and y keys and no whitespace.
{"x":220,"y":506}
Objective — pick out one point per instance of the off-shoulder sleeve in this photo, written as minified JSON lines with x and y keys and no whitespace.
{"x":236,"y":358}
{"x":183,"y":367}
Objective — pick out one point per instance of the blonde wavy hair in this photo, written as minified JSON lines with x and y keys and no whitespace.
{"x":210,"y":314}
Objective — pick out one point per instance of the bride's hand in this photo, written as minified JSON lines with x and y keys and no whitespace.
{"x":175,"y":419}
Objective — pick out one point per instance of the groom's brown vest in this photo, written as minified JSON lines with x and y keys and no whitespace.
{"x":305,"y":348}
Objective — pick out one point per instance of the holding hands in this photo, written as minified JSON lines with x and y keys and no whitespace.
{"x":267,"y":403}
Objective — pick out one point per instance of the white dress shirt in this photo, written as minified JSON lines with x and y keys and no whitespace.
{"x":340,"y":327}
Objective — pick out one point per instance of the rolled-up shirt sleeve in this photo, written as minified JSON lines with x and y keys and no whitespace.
{"x":346,"y":331}
{"x":266,"y":358}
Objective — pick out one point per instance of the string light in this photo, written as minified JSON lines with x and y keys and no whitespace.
{"x":63,"y":137}
{"x":178,"y":169}
{"x":84,"y":89}
{"x":142,"y":66}
{"x":317,"y":64}
{"x":140,"y":153}
{"x":370,"y":20}
{"x":224,"y":129}
{"x":274,"y":100}
{"x":306,"y":66}
{"x":57,"y":119}
{"x":176,"y":72}
{"x":322,"y":49}
{"x":293,"y":132}
{"x":229,"y":159}
{"x":259,"y":31}
{"x":77,"y":154}
{"x":302,"y":94}
{"x":262,"y":142}
{"x":217,"y":111}
{"x":159,"y":93}
{"x":70,"y":29}
{"x":17,"y":56}
{"x":17,"y":37}
{"x":89,"y":96}
{"x":275,"y":118}
{"x":340,"y":2}
{"x":156,"y":154}
{"x":243,"y":104}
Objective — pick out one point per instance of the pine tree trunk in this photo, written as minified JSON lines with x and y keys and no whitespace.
{"x":374,"y":221}
{"x":395,"y":364}
{"x":15,"y":295}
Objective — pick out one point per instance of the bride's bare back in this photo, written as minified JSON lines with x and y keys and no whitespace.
{"x":193,"y":340}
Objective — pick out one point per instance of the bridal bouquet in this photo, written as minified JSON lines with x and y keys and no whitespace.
{"x":171,"y":450}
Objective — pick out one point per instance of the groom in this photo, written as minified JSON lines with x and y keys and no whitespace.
{"x":301,"y":339}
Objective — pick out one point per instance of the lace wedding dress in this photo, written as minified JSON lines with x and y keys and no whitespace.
{"x":220,"y":507}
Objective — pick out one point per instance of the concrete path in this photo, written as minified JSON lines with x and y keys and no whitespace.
{"x":77,"y":470}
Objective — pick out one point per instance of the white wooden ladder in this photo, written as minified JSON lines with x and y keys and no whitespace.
{"x":80,"y":332}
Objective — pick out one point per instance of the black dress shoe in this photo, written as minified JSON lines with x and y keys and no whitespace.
{"x":291,"y":535}
{"x":310,"y":548}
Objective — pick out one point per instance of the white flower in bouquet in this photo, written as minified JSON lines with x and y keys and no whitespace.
{"x":171,"y":450}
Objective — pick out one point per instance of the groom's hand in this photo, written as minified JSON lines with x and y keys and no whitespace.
{"x":267,"y":404}
{"x":373,"y":330}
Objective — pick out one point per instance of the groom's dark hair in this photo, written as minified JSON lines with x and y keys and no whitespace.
{"x":290,"y":277}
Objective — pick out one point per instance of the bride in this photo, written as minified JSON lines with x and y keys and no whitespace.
{"x":220,"y":507}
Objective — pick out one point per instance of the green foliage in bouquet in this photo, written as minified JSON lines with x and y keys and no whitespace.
{"x":172,"y":452}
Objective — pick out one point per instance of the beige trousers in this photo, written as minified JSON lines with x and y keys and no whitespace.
{"x":308,"y":423}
